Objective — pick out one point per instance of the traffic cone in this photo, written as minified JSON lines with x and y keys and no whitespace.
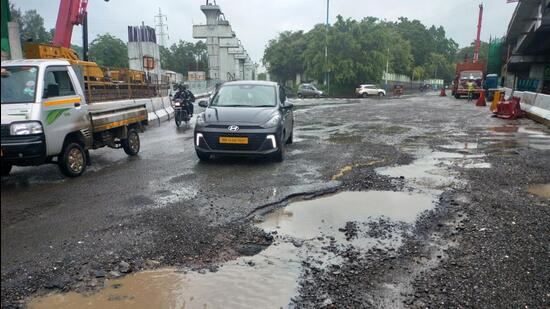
{"x":481,"y":100}
{"x":442,"y":93}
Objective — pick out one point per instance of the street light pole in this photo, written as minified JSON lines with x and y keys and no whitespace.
{"x":387,"y":69}
{"x":327,"y":77}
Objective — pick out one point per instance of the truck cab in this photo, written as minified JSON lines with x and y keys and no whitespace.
{"x":46,"y":119}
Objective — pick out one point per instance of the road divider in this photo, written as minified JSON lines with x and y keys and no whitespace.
{"x":158,"y":107}
{"x":536,"y":105}
{"x":167,"y":103}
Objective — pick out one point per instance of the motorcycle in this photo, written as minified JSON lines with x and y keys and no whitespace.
{"x":181,"y":114}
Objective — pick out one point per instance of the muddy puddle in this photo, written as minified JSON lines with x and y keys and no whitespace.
{"x":435,"y":170}
{"x":304,"y":231}
{"x":540,"y":190}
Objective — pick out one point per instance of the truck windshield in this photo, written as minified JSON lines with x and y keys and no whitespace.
{"x":473,"y":75}
{"x":19,"y":84}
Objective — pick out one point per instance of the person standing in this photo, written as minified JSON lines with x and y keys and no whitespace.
{"x":471,"y":87}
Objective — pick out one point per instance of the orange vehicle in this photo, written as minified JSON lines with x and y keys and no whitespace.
{"x":465,"y":72}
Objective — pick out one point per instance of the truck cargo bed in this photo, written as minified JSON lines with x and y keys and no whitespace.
{"x":108,"y":115}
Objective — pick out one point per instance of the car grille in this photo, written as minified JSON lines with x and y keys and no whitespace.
{"x":222,"y":126}
{"x":5,"y":130}
{"x":255,"y":141}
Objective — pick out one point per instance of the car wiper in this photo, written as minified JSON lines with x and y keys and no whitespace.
{"x":235,"y":105}
{"x":264,"y":106}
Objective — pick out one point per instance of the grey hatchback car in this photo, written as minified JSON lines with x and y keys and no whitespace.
{"x":245,"y":118}
{"x":309,"y":90}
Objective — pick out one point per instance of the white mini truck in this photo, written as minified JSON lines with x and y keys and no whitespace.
{"x":46,"y":119}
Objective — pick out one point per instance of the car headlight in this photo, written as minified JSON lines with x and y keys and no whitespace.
{"x":273,"y":122}
{"x":26,"y":128}
{"x":200,"y":121}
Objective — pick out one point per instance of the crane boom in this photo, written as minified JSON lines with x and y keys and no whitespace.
{"x":71,"y":13}
{"x":478,"y":42}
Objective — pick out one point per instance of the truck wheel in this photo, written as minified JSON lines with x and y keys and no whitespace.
{"x":131,"y":144}
{"x":6,"y":169}
{"x":72,"y":162}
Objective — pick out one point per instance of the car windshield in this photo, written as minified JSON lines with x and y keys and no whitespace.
{"x":19,"y":84}
{"x":245,"y":96}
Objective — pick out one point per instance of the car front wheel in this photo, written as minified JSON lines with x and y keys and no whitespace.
{"x":279,"y":156}
{"x":6,"y":169}
{"x":203,"y":156}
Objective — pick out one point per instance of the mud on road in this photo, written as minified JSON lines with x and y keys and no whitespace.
{"x":414,"y":202}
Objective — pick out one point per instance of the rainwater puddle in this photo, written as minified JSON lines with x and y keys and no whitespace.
{"x":433,"y":170}
{"x":540,"y":190}
{"x":516,"y":135}
{"x":304,"y":231}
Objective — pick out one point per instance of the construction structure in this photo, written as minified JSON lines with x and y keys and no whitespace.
{"x":527,"y":48}
{"x":144,"y":52}
{"x":227,"y":58}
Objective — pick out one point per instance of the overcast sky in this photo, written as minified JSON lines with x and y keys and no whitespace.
{"x":257,"y":21}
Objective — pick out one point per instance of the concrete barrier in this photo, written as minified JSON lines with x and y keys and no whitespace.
{"x":167,"y":103}
{"x":162,"y":114}
{"x":542,"y":101}
{"x":536,"y":105}
{"x":151,"y":115}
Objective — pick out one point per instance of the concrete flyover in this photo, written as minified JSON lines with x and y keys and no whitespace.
{"x":224,"y":62}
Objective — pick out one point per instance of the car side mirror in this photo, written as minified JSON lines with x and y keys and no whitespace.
{"x":288,"y":105}
{"x":51,"y":91}
{"x":203,"y":103}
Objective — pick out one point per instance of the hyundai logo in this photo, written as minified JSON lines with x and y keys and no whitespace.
{"x":233,"y":128}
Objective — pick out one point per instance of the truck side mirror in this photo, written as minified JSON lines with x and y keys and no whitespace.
{"x":51,"y":91}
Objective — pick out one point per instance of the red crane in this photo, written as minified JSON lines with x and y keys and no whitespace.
{"x":71,"y":13}
{"x":478,"y":42}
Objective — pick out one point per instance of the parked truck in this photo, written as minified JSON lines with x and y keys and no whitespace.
{"x":468,"y":71}
{"x":46,"y":118}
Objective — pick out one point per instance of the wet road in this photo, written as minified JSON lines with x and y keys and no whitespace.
{"x":167,"y":206}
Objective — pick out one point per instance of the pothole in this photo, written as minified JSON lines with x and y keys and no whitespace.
{"x":310,"y":231}
{"x":540,"y":190}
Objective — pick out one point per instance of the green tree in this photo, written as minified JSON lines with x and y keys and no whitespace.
{"x":359,"y":51}
{"x":31,"y":25}
{"x":262,"y":76}
{"x":283,"y":55}
{"x":107,"y":50}
{"x":184,"y":57}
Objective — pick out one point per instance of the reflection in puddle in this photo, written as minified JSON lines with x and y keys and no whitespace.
{"x":532,"y":137}
{"x":540,"y":190}
{"x":304,"y":230}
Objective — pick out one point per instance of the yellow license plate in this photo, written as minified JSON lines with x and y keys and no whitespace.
{"x":233,"y":140}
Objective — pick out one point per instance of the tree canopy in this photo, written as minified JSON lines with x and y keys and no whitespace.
{"x":109,"y":51}
{"x":184,"y":57}
{"x":358,"y":51}
{"x":31,"y":25}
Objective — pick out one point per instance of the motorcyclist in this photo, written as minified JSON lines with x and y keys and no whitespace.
{"x":186,"y":97}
